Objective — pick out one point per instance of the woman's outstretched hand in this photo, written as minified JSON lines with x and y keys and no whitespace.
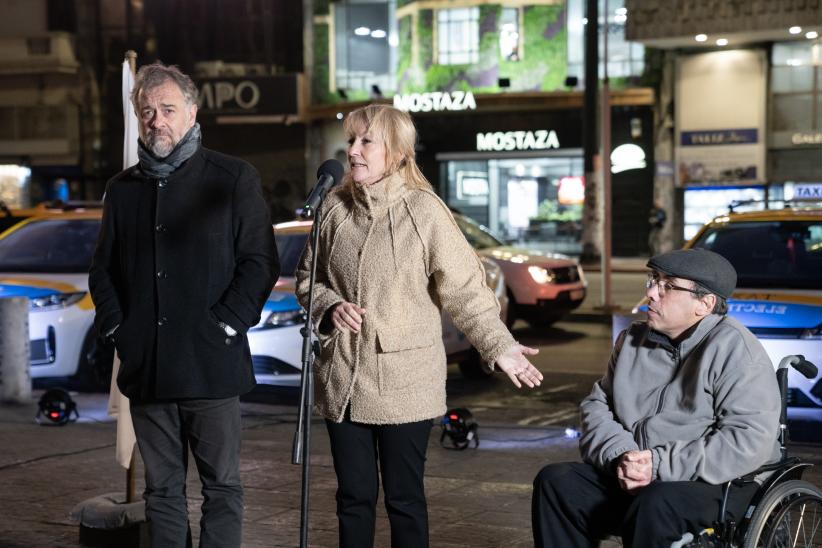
{"x":347,"y":317}
{"x":513,"y":363}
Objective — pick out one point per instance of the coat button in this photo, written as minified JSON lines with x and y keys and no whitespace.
{"x":160,"y":228}
{"x":162,"y":321}
{"x":228,"y":341}
{"x":162,"y":183}
{"x":162,"y":274}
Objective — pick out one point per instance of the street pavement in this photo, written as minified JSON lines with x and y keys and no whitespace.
{"x":479,"y":497}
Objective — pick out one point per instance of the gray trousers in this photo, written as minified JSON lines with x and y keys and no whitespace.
{"x":211,"y":428}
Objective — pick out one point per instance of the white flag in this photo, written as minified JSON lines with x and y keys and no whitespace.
{"x":118,"y":406}
{"x":129,"y":119}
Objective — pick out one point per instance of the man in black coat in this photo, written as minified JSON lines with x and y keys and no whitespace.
{"x":184,"y":263}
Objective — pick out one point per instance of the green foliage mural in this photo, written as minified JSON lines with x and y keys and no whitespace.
{"x":544,"y":60}
{"x":404,"y":51}
{"x":321,"y":7}
{"x":542,"y":66}
{"x":425,"y":36}
{"x":320,"y":82}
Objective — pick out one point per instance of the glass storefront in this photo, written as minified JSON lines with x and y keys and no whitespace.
{"x":14,"y":181}
{"x":365,"y":48}
{"x":527,"y":200}
{"x":702,"y":204}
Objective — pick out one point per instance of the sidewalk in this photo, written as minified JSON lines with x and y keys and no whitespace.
{"x":477,"y":497}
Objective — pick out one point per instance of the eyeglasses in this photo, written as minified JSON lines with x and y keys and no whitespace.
{"x":664,"y":286}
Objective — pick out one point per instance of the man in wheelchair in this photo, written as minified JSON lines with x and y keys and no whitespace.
{"x":689,"y":402}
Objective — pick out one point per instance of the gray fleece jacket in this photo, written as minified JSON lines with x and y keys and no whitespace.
{"x":707,"y":408}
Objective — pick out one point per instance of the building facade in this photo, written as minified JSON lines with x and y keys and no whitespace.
{"x":61,"y":135}
{"x":495,"y":90}
{"x":743,"y":93}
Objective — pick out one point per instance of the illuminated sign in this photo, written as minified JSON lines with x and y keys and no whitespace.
{"x":517,"y":140}
{"x":744,"y":136}
{"x":218,"y":95}
{"x":806,"y":139}
{"x":626,"y":157}
{"x":571,"y":190}
{"x":807,"y":191}
{"x":471,"y":184}
{"x":253,"y":99}
{"x":436,"y":100}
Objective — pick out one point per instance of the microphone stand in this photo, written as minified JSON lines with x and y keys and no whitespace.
{"x":301,"y":453}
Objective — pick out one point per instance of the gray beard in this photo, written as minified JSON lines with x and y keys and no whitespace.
{"x":158,"y":147}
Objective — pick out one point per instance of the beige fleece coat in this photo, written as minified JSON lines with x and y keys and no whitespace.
{"x":398,"y":253}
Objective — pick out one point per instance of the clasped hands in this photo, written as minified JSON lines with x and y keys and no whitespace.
{"x":634,"y":470}
{"x":347,"y":316}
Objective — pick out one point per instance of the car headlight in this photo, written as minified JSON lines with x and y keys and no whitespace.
{"x":284,"y":318}
{"x":541,"y":275}
{"x":493,"y":273}
{"x":57,"y":300}
{"x":814,"y":333}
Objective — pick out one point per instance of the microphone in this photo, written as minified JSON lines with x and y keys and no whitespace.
{"x":328,"y":175}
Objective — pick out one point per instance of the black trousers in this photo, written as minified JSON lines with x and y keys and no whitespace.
{"x":212,"y":429}
{"x":575,"y":504}
{"x":400,"y":451}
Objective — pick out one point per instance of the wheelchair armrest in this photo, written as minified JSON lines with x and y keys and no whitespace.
{"x":747,"y":478}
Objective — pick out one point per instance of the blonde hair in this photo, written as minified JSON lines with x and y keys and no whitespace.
{"x":396,"y":130}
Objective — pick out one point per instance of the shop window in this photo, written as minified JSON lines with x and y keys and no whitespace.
{"x":792,"y":112}
{"x":39,"y":46}
{"x":363,"y":53}
{"x":535,"y":201}
{"x":509,"y":42}
{"x":458,"y":36}
{"x":42,"y":122}
{"x":7,"y":125}
{"x":792,"y":79}
{"x":624,"y":58}
{"x":796,"y":79}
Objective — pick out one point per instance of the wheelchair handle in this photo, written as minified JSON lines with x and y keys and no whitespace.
{"x":798,"y":362}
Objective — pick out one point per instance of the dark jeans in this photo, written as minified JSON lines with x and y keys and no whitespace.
{"x":400,"y":450}
{"x":575,"y":504}
{"x":165,"y":431}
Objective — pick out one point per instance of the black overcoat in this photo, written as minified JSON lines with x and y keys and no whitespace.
{"x":174,"y":257}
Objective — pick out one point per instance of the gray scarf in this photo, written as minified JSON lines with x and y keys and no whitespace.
{"x":156,"y":167}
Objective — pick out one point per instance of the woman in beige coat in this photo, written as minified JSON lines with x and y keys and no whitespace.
{"x":391,"y":256}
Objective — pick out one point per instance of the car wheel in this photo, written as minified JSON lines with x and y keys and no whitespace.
{"x":471,"y":366}
{"x":94,"y":369}
{"x":511,"y":316}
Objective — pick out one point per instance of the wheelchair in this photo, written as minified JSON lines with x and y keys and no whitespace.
{"x":786,"y":510}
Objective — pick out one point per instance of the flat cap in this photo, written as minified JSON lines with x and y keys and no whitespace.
{"x":710,"y":270}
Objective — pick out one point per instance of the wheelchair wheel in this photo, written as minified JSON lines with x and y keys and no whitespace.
{"x":789,"y":515}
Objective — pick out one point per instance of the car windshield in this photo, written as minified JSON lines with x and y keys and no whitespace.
{"x":290,"y":248}
{"x":778,"y":254}
{"x":55,"y":245}
{"x":477,"y":235}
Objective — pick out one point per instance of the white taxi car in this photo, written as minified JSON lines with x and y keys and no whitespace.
{"x":46,"y":258}
{"x":276,"y":361}
{"x":541,"y":287}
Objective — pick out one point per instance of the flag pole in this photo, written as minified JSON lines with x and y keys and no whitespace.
{"x":131,"y":59}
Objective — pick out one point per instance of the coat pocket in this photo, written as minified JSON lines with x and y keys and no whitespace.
{"x":405,"y":358}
